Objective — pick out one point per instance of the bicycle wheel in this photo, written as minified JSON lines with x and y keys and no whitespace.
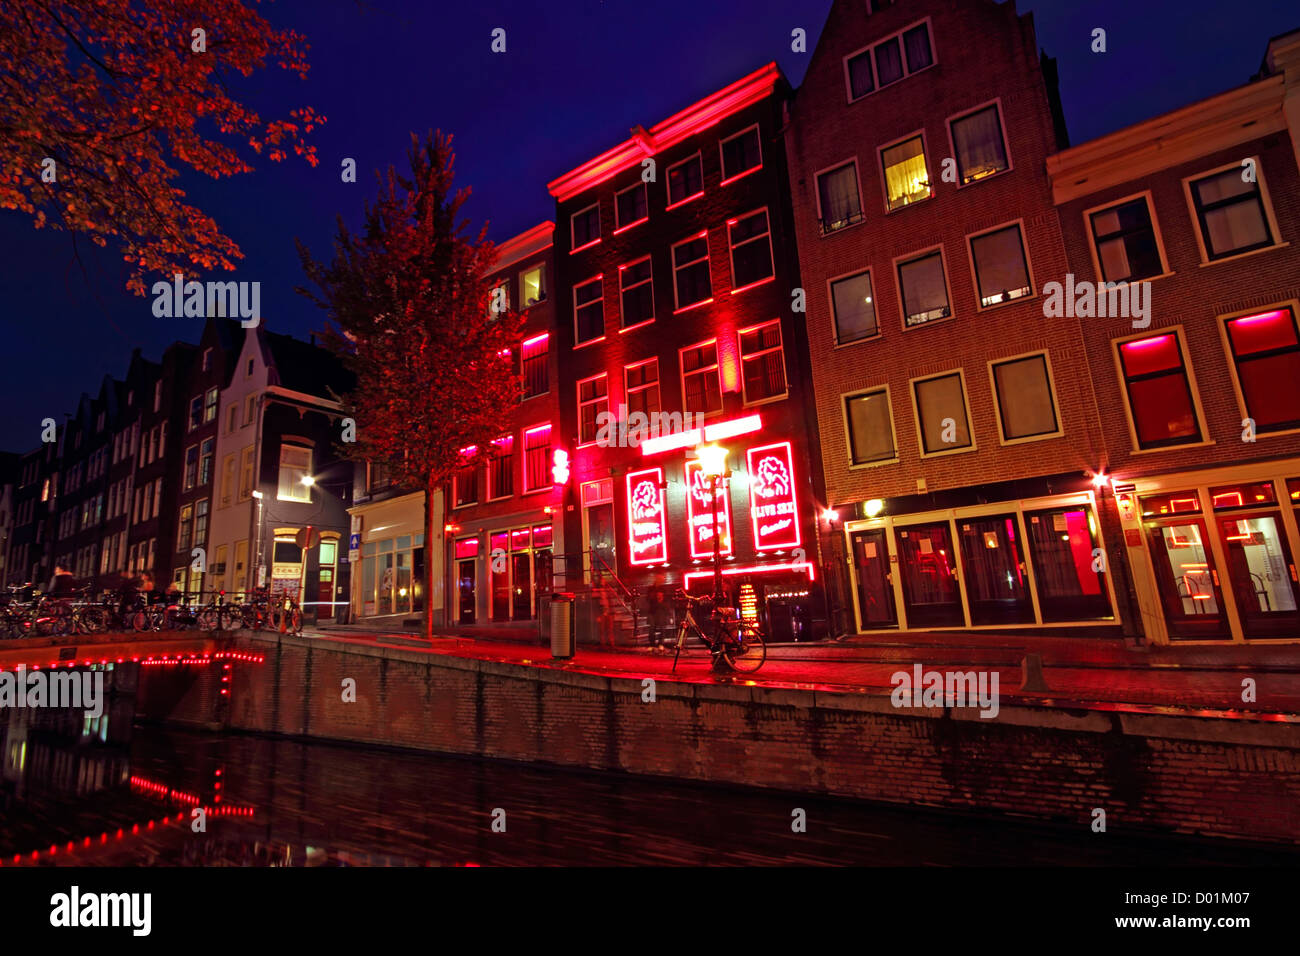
{"x":744,"y":649}
{"x":295,"y":621}
{"x":207,"y":619}
{"x":93,"y":620}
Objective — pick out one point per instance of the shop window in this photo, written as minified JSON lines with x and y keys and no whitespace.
{"x":1025,"y":401}
{"x":871,"y":427}
{"x":532,"y":286}
{"x":641,"y":383}
{"x":1124,"y":240}
{"x":994,"y":570}
{"x":701,"y":384}
{"x":854,"y":308}
{"x":941,"y":413}
{"x":692,"y":281}
{"x":295,"y":465}
{"x":1159,"y":393}
{"x":585,"y":227}
{"x":980,"y":148}
{"x":1246,"y":495}
{"x":465,"y":481}
{"x":589,"y":310}
{"x":839,"y":204}
{"x":685,"y":180}
{"x":501,"y":468}
{"x":751,"y":249}
{"x":534,"y":360}
{"x":924,"y":289}
{"x":593,"y":399}
{"x":1001,"y":269}
{"x":741,"y":153}
{"x":1230,"y":213}
{"x":630,"y":206}
{"x":499,"y":575}
{"x":907,"y":180}
{"x":537,"y":458}
{"x":1062,"y":545}
{"x":1265,"y":350}
{"x":762,"y":363}
{"x":636,"y":292}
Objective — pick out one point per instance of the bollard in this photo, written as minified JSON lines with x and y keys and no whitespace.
{"x":1031,"y":674}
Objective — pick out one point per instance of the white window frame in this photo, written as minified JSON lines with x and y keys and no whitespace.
{"x":672,"y":261}
{"x":880,"y":170}
{"x":1184,"y":353}
{"x":974,"y":273}
{"x":577,"y":391}
{"x":1265,"y":199}
{"x":996,"y":103}
{"x":697,"y":156}
{"x":623,"y":226}
{"x":845,"y":397}
{"x":870,"y":50}
{"x":622,"y":314}
{"x":914,"y":256}
{"x":916,"y":414}
{"x":286,"y":446}
{"x":722,"y":164}
{"x":541,"y":286}
{"x":740,"y":357}
{"x":600,"y":278}
{"x":817,"y":196}
{"x":1155,"y":228}
{"x":869,"y":271}
{"x":1051,"y":391}
{"x":573,"y":247}
{"x":731,"y":249}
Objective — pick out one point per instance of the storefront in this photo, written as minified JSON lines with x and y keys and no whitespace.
{"x":503,"y":574}
{"x":390,"y":579}
{"x":1008,"y":564}
{"x":1214,"y":553}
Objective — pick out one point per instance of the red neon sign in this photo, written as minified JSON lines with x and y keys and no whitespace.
{"x":772,"y":505}
{"x":699,"y":512}
{"x":697,"y":436}
{"x":798,"y":567}
{"x":646,"y":518}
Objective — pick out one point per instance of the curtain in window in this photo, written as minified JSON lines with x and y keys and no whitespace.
{"x":870,"y":433}
{"x":1024,"y":398}
{"x":938,"y":399}
{"x":860,"y":80}
{"x":839,"y":196}
{"x":906,"y":178}
{"x":1000,"y":266}
{"x":917,"y":44}
{"x":1236,"y":225}
{"x":889,"y":62}
{"x":925,"y":296}
{"x":978,"y":139}
{"x":855,"y":308}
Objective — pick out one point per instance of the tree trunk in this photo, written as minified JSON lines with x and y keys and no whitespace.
{"x":432,"y":546}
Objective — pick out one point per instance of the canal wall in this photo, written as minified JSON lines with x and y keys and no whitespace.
{"x":1200,"y":775}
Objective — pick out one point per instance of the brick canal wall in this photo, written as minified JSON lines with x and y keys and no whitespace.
{"x":1186,"y":774}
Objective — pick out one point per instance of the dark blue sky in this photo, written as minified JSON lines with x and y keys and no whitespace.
{"x":576,"y":76}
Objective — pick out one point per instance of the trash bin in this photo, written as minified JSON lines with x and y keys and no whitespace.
{"x":562,"y":625}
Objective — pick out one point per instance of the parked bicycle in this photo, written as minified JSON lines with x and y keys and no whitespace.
{"x":734,"y":644}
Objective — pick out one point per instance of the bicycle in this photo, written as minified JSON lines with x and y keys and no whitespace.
{"x":734,"y":644}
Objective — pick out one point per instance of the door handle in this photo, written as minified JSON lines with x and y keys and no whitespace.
{"x":1215,"y":575}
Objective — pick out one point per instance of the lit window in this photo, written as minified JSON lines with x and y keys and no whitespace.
{"x":185,"y":528}
{"x":838,"y":202}
{"x":1026,"y":408}
{"x":191,"y":466}
{"x":641,"y":383}
{"x":295,"y":464}
{"x":205,"y":460}
{"x":585,"y":226}
{"x":207,"y":359}
{"x":741,"y":153}
{"x":1124,"y":238}
{"x":1159,"y":393}
{"x":1230,"y":213}
{"x":685,"y":180}
{"x":941,"y":413}
{"x":537,"y":458}
{"x":854,"y":308}
{"x":210,"y":405}
{"x":465,"y":483}
{"x":200,"y":523}
{"x":751,"y":249}
{"x":1001,"y":273}
{"x":636,"y":290}
{"x":692,"y":281}
{"x":907,"y":180}
{"x":196,"y":412}
{"x":762,"y":362}
{"x":534,"y":356}
{"x":979,"y":145}
{"x":532,"y":286}
{"x":630,"y":206}
{"x":593,"y":399}
{"x":871,"y":427}
{"x":924,"y":289}
{"x":501,"y":468}
{"x":589,"y":310}
{"x":701,"y":384}
{"x":1266,"y":352}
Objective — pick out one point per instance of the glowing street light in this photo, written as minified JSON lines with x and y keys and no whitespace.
{"x":713,"y":463}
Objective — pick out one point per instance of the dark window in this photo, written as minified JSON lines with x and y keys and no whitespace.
{"x":703,"y":391}
{"x":642,"y":386}
{"x":196,"y":412}
{"x":586,"y":226}
{"x":201,"y":522}
{"x":636,"y":289}
{"x":1230,"y":213}
{"x":191,"y":466}
{"x":751,"y":249}
{"x":630,"y":206}
{"x":871,"y":431}
{"x":1001,"y":273}
{"x":837,"y":192}
{"x":978,"y":142}
{"x":860,"y":78}
{"x":741,"y":153}
{"x":501,"y":468}
{"x":593,"y":398}
{"x":205,"y":461}
{"x":1024,"y":393}
{"x":589,"y":310}
{"x":685,"y":180}
{"x":916,"y":45}
{"x":535,"y":360}
{"x":854,"y":307}
{"x":691,"y":272}
{"x":466,"y":482}
{"x":1125,"y":240}
{"x":889,"y":62}
{"x":1266,"y":350}
{"x":925,"y":293}
{"x":762,"y":362}
{"x":1159,"y":393}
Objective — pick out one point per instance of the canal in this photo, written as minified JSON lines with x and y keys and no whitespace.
{"x":107,"y":791}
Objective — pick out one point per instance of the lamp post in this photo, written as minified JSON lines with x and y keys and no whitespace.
{"x":259,"y":578}
{"x":713,"y":462}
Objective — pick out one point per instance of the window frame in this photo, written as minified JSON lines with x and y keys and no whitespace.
{"x":493,"y":457}
{"x":473,"y":466}
{"x":996,"y":104}
{"x":740,"y":357}
{"x":916,"y":413}
{"x":1059,"y":431}
{"x":1033,"y":293}
{"x":1265,"y":201}
{"x":830,"y":306}
{"x":546,"y":362}
{"x":581,"y":404}
{"x":582,"y":343}
{"x":541,"y":286}
{"x":845,"y":398}
{"x":1233,"y":362}
{"x":884,"y":182}
{"x":731,"y":249}
{"x":546,"y":464}
{"x":722,"y":156}
{"x":1155,"y":228}
{"x":817,"y":197}
{"x":716,"y":368}
{"x":622,"y":290}
{"x":697,"y":156}
{"x":672,"y":262}
{"x":1180,"y":336}
{"x":573,"y":239}
{"x":870,"y":49}
{"x":916,"y":256}
{"x":311,"y":461}
{"x":624,"y":226}
{"x":657,"y":386}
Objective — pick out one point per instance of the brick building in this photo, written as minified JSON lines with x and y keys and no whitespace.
{"x":957,"y":424}
{"x":1199,"y":398}
{"x":676,"y":272}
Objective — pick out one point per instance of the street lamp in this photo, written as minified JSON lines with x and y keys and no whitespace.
{"x":713,"y":463}
{"x":259,"y":580}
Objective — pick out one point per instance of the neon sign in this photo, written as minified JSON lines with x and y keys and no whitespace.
{"x":772,"y":505}
{"x":699,"y":512}
{"x":698,"y":436}
{"x":646,"y":518}
{"x":560,"y":466}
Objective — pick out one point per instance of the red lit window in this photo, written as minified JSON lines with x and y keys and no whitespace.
{"x":534,"y":358}
{"x":593,"y":399}
{"x":1159,"y":394}
{"x":630,"y":206}
{"x":465,"y":482}
{"x":467,"y":548}
{"x":762,"y":362}
{"x":701,"y":384}
{"x":585,"y":226}
{"x":537,"y":458}
{"x":1266,"y":351}
{"x":636,"y":289}
{"x":751,"y":249}
{"x":685,"y":180}
{"x":501,"y":468}
{"x":692,"y":282}
{"x":589,"y":310}
{"x":641,"y":382}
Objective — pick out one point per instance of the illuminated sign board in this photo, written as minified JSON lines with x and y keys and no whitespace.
{"x":697,"y":436}
{"x":772,"y":506}
{"x":699,"y":512}
{"x":646,"y":518}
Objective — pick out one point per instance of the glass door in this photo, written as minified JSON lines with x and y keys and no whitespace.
{"x":465,"y":586}
{"x":1186,"y":578}
{"x":875,"y":584}
{"x":1262,"y":574}
{"x":600,"y":539}
{"x":931,"y":594}
{"x":997,"y":581}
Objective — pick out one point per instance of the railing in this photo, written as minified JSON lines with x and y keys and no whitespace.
{"x":602,"y":575}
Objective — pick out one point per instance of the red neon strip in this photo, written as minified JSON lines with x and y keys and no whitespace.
{"x":693,"y":305}
{"x":536,"y":338}
{"x":536,"y":429}
{"x":804,"y":566}
{"x":730,"y":429}
{"x":652,"y":446}
{"x":588,"y":245}
{"x":1227,"y":495}
{"x":639,"y":530}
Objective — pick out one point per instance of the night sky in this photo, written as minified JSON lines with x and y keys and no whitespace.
{"x":576,"y":76}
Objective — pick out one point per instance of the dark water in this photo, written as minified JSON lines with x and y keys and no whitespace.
{"x":115,"y":791}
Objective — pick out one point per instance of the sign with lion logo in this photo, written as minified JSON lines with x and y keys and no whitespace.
{"x":772,"y":505}
{"x":647,"y":527}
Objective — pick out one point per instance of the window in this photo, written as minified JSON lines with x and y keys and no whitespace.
{"x":630,"y":206}
{"x":250,"y":408}
{"x":692,"y":281}
{"x":466,"y":483}
{"x":200,"y":523}
{"x":207,"y":359}
{"x":205,"y":461}
{"x":1230,"y":213}
{"x":232,"y":418}
{"x":923,"y":288}
{"x":1266,"y":353}
{"x":701,"y":384}
{"x":157,"y":395}
{"x":585,"y":226}
{"x":860,"y":78}
{"x":889,"y":61}
{"x":893,"y":58}
{"x":196,"y":412}
{"x":378,"y":476}
{"x":1001,"y":272}
{"x":593,"y":398}
{"x":537,"y":458}
{"x":246,"y":474}
{"x":741,"y":153}
{"x":1124,"y":240}
{"x":210,"y":405}
{"x":641,"y":382}
{"x":636,"y":290}
{"x":191,"y":466}
{"x":589,"y":310}
{"x":295,"y":465}
{"x":227,"y":480}
{"x":907,"y":180}
{"x":916,"y":47}
{"x":185,"y":529}
{"x":751,"y":249}
{"x":248,"y":369}
{"x":685,"y":180}
{"x":532,"y":286}
{"x":535,"y":359}
{"x":1026,"y":403}
{"x":853,"y":307}
{"x":838,"y":202}
{"x":1159,"y":393}
{"x":762,"y":362}
{"x":871,"y":427}
{"x":501,"y":468}
{"x":941,"y":415}
{"x":978,"y":144}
